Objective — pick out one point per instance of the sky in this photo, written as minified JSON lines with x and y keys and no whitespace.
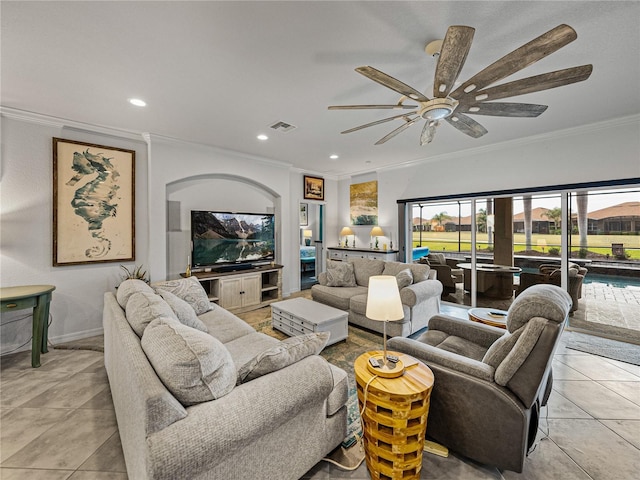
{"x":597,"y":201}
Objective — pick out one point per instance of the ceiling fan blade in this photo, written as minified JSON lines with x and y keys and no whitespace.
{"x":377,"y":122}
{"x":428,"y":132}
{"x":392,"y":83}
{"x":529,"y":53}
{"x":536,"y":83}
{"x":398,"y":130}
{"x":372,"y":107}
{"x":499,"y":109}
{"x":466,"y":125}
{"x":453,"y":54}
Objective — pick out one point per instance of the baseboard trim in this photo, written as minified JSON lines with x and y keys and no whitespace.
{"x":70,"y":337}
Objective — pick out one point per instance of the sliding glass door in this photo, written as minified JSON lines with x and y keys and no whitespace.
{"x":604,"y":240}
{"x":586,"y":241}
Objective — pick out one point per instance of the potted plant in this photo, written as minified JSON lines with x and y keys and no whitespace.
{"x":137,"y":274}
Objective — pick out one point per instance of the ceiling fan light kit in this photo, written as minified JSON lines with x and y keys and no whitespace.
{"x":472,"y":96}
{"x":438,"y":108}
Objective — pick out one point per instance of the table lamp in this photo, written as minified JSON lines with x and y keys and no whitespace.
{"x":383,"y":304}
{"x":307,"y":234}
{"x":344,"y":233}
{"x":376,"y":232}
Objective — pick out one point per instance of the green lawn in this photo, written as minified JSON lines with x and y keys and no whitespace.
{"x":448,"y":241}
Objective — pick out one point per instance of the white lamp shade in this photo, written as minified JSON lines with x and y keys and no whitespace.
{"x":346,"y":231}
{"x":383,"y":299}
{"x":376,"y":232}
{"x":307,"y":233}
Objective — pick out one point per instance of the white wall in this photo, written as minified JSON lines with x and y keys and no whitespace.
{"x":196,"y":175}
{"x":172,"y":161}
{"x":209,"y":193}
{"x":387,"y":212}
{"x":604,"y":151}
{"x":26,"y":211}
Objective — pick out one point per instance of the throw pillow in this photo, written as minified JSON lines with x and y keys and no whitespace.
{"x":143,"y":308}
{"x":501,"y":348}
{"x":404,"y":278}
{"x":286,"y":353}
{"x":194,"y":366}
{"x":190,"y":290}
{"x":520,"y":351}
{"x":185,"y":313}
{"x":340,"y":274}
{"x":128,"y":288}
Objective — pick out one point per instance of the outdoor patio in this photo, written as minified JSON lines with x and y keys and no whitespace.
{"x":603,"y":310}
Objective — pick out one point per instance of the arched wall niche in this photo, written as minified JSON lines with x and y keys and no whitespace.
{"x":216,"y":192}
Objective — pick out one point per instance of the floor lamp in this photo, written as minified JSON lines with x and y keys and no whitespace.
{"x":384,"y":305}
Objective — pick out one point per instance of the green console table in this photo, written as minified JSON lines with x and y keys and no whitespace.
{"x":37,"y":297}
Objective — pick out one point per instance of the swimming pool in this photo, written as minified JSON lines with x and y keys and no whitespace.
{"x":612,"y":281}
{"x":606,"y":280}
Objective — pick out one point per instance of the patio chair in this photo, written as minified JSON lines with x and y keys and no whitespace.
{"x":549,"y":273}
{"x":447,"y":272}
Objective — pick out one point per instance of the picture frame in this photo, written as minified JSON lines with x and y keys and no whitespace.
{"x":313,"y":188}
{"x":304,"y":214}
{"x":363,"y":203}
{"x":93,"y":203}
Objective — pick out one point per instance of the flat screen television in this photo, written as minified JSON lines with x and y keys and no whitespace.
{"x":224,"y":238}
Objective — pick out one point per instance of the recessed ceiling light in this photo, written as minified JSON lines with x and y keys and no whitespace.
{"x":334,"y":157}
{"x":262,"y":136}
{"x":137,"y":102}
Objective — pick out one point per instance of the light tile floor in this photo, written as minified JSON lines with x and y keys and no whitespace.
{"x":58,"y":422}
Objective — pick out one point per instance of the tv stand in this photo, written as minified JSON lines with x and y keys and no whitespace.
{"x":245,"y":289}
{"x":234,"y":267}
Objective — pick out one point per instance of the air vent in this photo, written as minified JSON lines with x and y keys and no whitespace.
{"x":283,"y":127}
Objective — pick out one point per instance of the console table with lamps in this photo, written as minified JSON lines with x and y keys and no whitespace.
{"x":37,"y":297}
{"x":342,"y":253}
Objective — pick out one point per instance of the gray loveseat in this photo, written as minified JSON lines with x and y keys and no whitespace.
{"x":420,"y":299}
{"x":275,"y":426}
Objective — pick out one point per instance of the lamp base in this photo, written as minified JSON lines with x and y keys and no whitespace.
{"x":387,"y":369}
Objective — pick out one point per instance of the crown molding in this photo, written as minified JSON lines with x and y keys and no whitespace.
{"x":145,"y":137}
{"x":306,"y":171}
{"x":151,"y":137}
{"x":520,"y":142}
{"x":60,"y":123}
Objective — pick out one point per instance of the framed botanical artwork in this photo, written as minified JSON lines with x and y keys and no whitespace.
{"x":304,"y":214}
{"x":363,"y":203}
{"x":313,"y":188}
{"x":93,"y":203}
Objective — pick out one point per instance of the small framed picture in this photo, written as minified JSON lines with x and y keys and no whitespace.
{"x":313,"y":188}
{"x":304,"y":214}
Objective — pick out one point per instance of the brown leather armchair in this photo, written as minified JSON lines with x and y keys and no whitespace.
{"x":490,"y":384}
{"x":550,"y":273}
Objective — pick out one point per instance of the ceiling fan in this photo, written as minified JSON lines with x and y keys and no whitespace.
{"x":472,"y":97}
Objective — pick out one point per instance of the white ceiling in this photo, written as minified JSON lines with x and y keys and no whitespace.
{"x":219,"y":73}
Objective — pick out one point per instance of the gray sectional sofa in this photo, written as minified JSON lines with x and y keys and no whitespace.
{"x":231,"y":412}
{"x":420,"y":298}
